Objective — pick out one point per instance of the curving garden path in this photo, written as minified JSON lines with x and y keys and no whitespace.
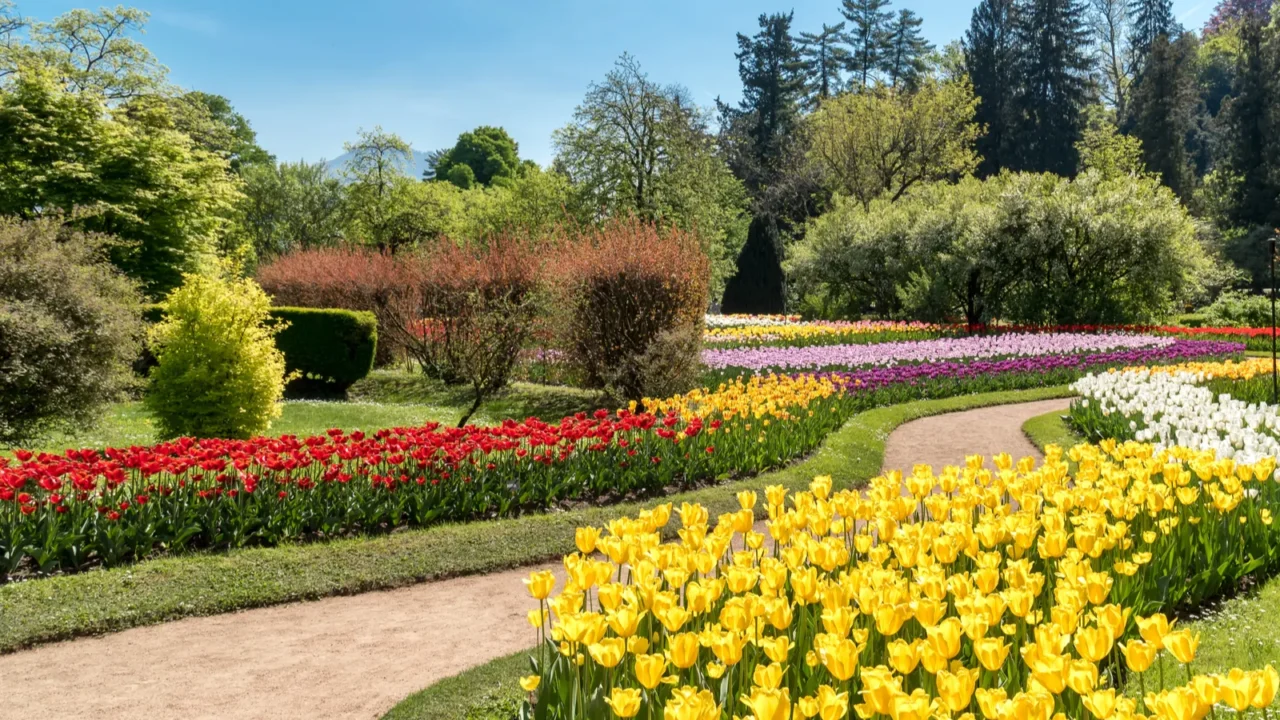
{"x":356,"y":656}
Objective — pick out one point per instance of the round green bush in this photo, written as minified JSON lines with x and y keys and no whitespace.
{"x":218,"y":371}
{"x":70,"y":325}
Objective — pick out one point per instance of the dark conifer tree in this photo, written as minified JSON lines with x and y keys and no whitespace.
{"x":1253,"y":128}
{"x":868,"y":38}
{"x":1164,"y":109}
{"x":823,"y":60}
{"x":772,"y":86}
{"x":759,"y":286}
{"x":904,"y":61}
{"x":1151,"y":19}
{"x":1053,"y":71}
{"x":990,"y":56}
{"x":757,"y":137}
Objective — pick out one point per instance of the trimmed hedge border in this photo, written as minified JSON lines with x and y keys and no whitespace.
{"x":852,"y":455}
{"x":330,"y":348}
{"x":99,"y":601}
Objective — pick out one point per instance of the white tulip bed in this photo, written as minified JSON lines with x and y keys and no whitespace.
{"x":1174,"y":409}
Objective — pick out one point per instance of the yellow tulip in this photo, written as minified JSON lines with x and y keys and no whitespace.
{"x":608,"y":652}
{"x":540,"y":584}
{"x":991,"y":652}
{"x":769,"y":704}
{"x":955,"y":687}
{"x":1263,"y":687}
{"x":768,"y":677}
{"x":1101,"y":703}
{"x":586,"y":538}
{"x":529,"y":683}
{"x":1139,"y":655}
{"x":1154,"y":628}
{"x":625,"y":703}
{"x":688,"y":703}
{"x":904,"y":656}
{"x":650,"y":670}
{"x":1234,"y":689}
{"x":682,"y":650}
{"x":832,"y":705}
{"x":840,"y":658}
{"x":1182,"y":644}
{"x":1093,"y":643}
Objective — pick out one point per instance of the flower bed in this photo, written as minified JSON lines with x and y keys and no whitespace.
{"x":1015,"y":592}
{"x":894,"y":353}
{"x":804,"y":334}
{"x":66,"y":512}
{"x":1172,"y":406}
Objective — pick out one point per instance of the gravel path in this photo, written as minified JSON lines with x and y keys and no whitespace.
{"x":355,"y":657}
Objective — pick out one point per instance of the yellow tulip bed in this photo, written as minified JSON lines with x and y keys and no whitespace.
{"x":1246,"y":369}
{"x":1007,"y":591}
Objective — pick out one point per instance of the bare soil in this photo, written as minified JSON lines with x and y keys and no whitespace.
{"x":356,"y":656}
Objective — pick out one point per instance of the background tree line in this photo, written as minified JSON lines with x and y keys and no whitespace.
{"x":861,"y":113}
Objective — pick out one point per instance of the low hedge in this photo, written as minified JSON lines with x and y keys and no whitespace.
{"x":330,"y":348}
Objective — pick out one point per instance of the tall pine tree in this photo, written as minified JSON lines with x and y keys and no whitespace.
{"x":868,"y":38}
{"x":823,"y":59}
{"x":904,"y":62}
{"x":990,"y":55}
{"x":1151,"y":19}
{"x":1053,"y":67}
{"x":1254,"y":128}
{"x":1164,"y":107}
{"x":772,"y":86}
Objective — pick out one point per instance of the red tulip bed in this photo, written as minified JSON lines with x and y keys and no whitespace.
{"x":62,"y":513}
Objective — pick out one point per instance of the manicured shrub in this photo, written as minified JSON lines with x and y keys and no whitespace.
{"x":218,"y":371}
{"x":621,"y":288}
{"x":70,"y":324}
{"x":328,"y":349}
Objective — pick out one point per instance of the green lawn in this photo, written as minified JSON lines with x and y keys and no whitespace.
{"x":387,"y":398}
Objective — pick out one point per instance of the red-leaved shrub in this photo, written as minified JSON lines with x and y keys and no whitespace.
{"x":477,"y":309}
{"x":624,"y":288}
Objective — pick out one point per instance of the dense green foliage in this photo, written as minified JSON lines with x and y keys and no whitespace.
{"x":69,"y":327}
{"x":1237,"y":309}
{"x":884,"y":141}
{"x":1022,"y":247}
{"x":126,"y":170}
{"x":218,"y":372}
{"x":488,"y":153}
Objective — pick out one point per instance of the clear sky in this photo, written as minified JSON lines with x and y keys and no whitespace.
{"x":308,"y":73}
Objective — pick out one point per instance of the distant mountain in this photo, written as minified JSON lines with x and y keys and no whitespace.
{"x":413,"y":169}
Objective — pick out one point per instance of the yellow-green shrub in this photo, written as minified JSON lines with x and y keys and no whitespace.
{"x":218,"y":371}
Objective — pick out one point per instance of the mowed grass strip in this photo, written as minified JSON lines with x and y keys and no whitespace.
{"x":852,"y":456}
{"x":154,"y":591}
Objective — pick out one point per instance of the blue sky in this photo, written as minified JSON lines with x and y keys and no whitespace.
{"x":309,"y":73}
